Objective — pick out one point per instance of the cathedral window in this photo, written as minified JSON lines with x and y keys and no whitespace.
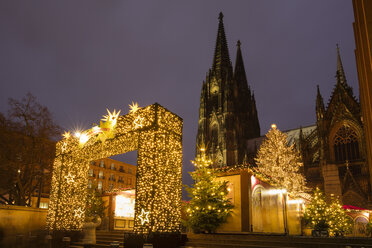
{"x":346,"y":145}
{"x":214,"y":136}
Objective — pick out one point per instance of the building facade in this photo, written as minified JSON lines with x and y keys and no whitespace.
{"x":109,"y":174}
{"x":227,"y":114}
{"x":342,"y":147}
{"x":363,"y":55}
{"x":333,"y":150}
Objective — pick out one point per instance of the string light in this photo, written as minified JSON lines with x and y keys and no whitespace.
{"x":157,"y":137}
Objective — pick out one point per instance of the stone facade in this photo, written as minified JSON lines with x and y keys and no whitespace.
{"x":341,"y":144}
{"x":363,"y":56}
{"x":227,"y":114}
{"x":109,"y":174}
{"x":333,"y":150}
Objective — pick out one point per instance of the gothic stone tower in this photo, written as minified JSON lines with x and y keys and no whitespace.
{"x":342,"y":150}
{"x":227,"y":113}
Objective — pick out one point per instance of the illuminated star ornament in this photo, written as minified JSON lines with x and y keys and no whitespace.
{"x":138,"y":122}
{"x":66,"y":135}
{"x":78,"y":212}
{"x":111,"y":117}
{"x":144,"y":217}
{"x":70,"y":178}
{"x":134,"y":107}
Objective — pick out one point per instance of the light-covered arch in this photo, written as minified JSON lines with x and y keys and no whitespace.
{"x":156,"y":134}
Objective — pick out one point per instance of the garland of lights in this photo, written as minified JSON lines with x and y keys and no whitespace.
{"x":156,"y":134}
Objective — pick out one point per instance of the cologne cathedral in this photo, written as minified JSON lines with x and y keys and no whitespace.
{"x":333,"y":150}
{"x":227,"y":114}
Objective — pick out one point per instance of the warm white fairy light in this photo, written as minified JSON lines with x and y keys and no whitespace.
{"x":158,"y":141}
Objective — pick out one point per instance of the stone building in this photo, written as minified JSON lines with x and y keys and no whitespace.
{"x":109,"y":174}
{"x":341,"y":143}
{"x":333,"y":149}
{"x":227,"y":114}
{"x":363,"y":55}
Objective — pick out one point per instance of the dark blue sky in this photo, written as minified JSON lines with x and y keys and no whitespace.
{"x":80,"y":57}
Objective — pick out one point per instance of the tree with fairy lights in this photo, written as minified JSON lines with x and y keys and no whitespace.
{"x":281,"y":162}
{"x":339,"y":222}
{"x":95,"y":208}
{"x":321,"y":215}
{"x":317,"y":213}
{"x":209,"y":206}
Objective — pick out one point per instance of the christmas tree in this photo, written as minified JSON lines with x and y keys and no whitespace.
{"x":95,"y":206}
{"x":209,"y":206}
{"x":281,"y":162}
{"x":317,"y":213}
{"x":321,"y":215}
{"x":339,"y":223}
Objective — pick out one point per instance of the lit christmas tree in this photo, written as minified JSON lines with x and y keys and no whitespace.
{"x":281,"y":162}
{"x":95,"y":205}
{"x":209,"y":206}
{"x":317,"y":213}
{"x":321,"y":215}
{"x":339,"y":223}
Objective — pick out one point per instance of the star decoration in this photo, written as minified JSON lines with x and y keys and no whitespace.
{"x":144,"y":216}
{"x":64,"y":147}
{"x":66,"y":134}
{"x":111,"y":117}
{"x":134,"y":107}
{"x":78,"y":212}
{"x":138,"y":122}
{"x":70,"y":178}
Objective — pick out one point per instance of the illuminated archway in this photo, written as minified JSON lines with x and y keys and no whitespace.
{"x":156,"y":134}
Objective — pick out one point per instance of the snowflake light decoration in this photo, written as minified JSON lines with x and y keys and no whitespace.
{"x":138,"y":122}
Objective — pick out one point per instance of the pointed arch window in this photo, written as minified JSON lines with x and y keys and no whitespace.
{"x":346,"y":145}
{"x":214,"y":136}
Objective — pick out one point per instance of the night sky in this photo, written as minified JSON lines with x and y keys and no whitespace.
{"x":80,"y":57}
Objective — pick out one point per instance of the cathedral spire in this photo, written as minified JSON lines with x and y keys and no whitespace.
{"x":221,"y":59}
{"x":340,"y":74}
{"x":256,"y":122}
{"x":239,"y":72}
{"x":320,"y":109}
